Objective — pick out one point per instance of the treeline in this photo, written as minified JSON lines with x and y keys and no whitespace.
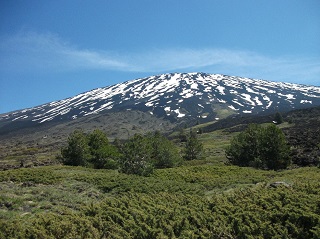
{"x":259,"y":146}
{"x":138,"y":155}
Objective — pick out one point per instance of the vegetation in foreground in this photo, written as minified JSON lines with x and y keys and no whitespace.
{"x":199,"y":199}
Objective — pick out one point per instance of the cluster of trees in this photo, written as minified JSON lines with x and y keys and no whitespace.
{"x":139,"y":155}
{"x":91,"y":149}
{"x":260,"y":147}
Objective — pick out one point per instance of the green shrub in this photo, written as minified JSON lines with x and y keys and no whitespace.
{"x":77,"y":152}
{"x":193,"y":148}
{"x":141,"y":154}
{"x":260,"y":147}
{"x":89,"y":149}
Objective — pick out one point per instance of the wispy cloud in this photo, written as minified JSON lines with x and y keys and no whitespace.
{"x":48,"y":52}
{"x":31,"y":51}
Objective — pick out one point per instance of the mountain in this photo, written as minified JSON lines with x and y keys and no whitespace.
{"x":178,"y":97}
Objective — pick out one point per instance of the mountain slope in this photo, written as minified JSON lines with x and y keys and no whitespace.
{"x":177,"y":96}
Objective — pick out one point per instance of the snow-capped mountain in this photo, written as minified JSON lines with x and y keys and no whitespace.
{"x":177,"y":96}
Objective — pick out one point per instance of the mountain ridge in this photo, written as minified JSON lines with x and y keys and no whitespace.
{"x":177,"y":97}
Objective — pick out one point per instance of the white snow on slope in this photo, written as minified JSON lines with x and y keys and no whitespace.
{"x":170,"y":91}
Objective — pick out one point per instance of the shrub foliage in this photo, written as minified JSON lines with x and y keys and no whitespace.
{"x":193,"y":148}
{"x":261,"y":147}
{"x":159,"y":206}
{"x":89,"y":149}
{"x":141,"y":154}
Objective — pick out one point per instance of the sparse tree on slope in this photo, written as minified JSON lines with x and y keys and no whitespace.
{"x":278,"y":118}
{"x":141,"y":154}
{"x":77,"y":152}
{"x":89,"y":149}
{"x":164,"y":153}
{"x":274,"y":152}
{"x":193,"y":148}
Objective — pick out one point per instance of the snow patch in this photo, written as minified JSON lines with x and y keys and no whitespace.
{"x":232,"y":107}
{"x":180,"y":115}
{"x":221,"y":89}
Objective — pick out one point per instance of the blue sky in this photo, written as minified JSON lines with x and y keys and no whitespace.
{"x":51,"y":50}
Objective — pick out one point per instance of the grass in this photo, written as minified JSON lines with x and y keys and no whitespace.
{"x":214,"y":144}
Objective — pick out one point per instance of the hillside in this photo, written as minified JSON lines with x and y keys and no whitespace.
{"x":301,"y":127}
{"x":200,"y":199}
{"x":164,"y":102}
{"x":178,"y":97}
{"x":40,"y":145}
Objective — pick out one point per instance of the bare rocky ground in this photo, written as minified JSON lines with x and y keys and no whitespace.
{"x":304,"y":136}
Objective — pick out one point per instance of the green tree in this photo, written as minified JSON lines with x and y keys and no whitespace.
{"x":141,"y":154}
{"x":182,"y":135}
{"x":193,"y":148}
{"x":136,"y":156}
{"x":243,"y":150}
{"x":278,"y":118}
{"x":164,"y":153}
{"x":77,"y":152}
{"x":260,"y":147}
{"x":103,"y":153}
{"x":91,"y":149}
{"x":274,"y":150}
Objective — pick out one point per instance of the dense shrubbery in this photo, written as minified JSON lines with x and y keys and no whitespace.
{"x":141,"y":154}
{"x":260,"y":147}
{"x":89,"y":149}
{"x":159,"y":211}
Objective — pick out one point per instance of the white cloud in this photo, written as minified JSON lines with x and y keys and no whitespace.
{"x":30,"y":51}
{"x":47,"y":52}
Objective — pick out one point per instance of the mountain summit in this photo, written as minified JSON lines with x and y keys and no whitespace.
{"x":176,"y":96}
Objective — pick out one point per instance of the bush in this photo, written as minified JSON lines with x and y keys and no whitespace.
{"x":141,"y":154}
{"x":260,"y":147}
{"x":89,"y":149}
{"x":193,"y":148}
{"x":136,"y":156}
{"x":77,"y":152}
